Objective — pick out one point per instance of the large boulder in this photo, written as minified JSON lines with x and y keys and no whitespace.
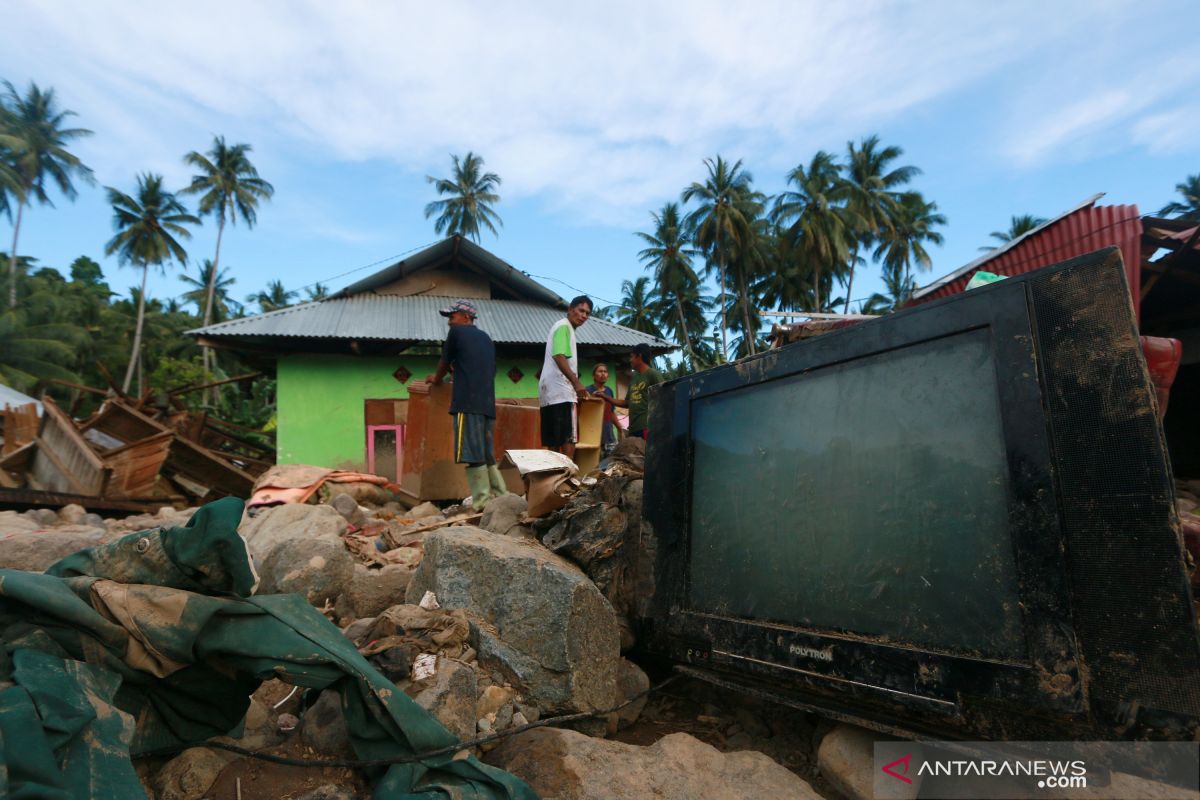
{"x":537,"y":616}
{"x":35,"y":550}
{"x":567,"y":765}
{"x":273,"y":526}
{"x":320,"y":569}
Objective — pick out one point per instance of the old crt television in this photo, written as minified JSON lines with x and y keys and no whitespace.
{"x":956,"y":520}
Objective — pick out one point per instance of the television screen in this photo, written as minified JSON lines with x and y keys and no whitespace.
{"x":955,"y":520}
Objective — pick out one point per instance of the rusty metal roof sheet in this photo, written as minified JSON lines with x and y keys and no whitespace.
{"x":1083,"y":229}
{"x":416,"y":318}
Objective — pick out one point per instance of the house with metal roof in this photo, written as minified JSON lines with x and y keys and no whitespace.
{"x":343,"y":364}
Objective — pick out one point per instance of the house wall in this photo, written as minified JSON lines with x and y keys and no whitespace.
{"x":320,"y":401}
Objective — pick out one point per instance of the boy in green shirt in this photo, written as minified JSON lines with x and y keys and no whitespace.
{"x":638,"y":398}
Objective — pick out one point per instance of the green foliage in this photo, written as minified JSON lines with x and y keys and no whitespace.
{"x":1019,"y":226}
{"x":469,"y":196}
{"x":1188,"y":208}
{"x":273,"y":298}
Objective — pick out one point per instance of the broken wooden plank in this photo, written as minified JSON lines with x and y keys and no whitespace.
{"x":135,"y":466}
{"x":123,"y":422}
{"x":64,"y":461}
{"x":20,"y":426}
{"x":21,"y":499}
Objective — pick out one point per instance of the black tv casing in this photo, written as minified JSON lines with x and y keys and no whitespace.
{"x":1107,"y":615}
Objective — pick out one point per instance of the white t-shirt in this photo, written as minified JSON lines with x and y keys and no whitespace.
{"x":553,"y":386}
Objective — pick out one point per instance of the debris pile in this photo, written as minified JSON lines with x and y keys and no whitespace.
{"x":129,"y":455}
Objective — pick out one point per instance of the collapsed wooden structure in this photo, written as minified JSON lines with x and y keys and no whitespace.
{"x":128,"y":454}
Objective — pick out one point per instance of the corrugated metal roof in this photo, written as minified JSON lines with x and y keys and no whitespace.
{"x":416,"y":318}
{"x":1084,"y":229}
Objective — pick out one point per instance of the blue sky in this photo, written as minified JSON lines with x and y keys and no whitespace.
{"x":595,"y":116}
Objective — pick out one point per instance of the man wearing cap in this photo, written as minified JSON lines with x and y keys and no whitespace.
{"x":471,"y":355}
{"x":637,"y":399}
{"x":559,"y":387}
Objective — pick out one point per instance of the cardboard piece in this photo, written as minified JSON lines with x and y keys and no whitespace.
{"x":549,"y":479}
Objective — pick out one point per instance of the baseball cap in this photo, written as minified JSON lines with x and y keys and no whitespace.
{"x":465,"y":306}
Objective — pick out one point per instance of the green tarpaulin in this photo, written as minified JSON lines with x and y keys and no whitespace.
{"x":152,"y":642}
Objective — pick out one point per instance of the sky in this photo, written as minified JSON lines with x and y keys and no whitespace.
{"x":595,"y":115}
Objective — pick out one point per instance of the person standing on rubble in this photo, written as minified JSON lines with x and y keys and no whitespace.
{"x":470,"y":355}
{"x":559,"y":387}
{"x":637,"y":399}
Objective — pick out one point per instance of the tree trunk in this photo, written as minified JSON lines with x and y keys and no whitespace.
{"x":687,"y":337}
{"x":817,"y":287}
{"x":753,"y":334}
{"x":208,"y":357}
{"x":137,"y":333}
{"x":724,"y":323}
{"x":850,"y":283}
{"x":12,"y":257}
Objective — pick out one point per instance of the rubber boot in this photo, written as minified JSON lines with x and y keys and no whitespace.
{"x":496,"y":481}
{"x":477,"y":479}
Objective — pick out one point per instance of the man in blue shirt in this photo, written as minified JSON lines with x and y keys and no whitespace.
{"x":471,"y":355}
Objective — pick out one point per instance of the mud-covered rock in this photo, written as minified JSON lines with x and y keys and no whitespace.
{"x":423,"y":511}
{"x":504,"y":515}
{"x":371,"y":591}
{"x":631,"y":682}
{"x":273,"y":526}
{"x":190,"y":774}
{"x":567,"y":765}
{"x":35,"y":550}
{"x":320,"y":569}
{"x":535,"y":615}
{"x":450,"y":696}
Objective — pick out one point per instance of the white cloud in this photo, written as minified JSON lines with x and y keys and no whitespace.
{"x":594,"y":110}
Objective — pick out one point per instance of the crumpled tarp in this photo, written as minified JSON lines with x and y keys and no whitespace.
{"x":150,"y":643}
{"x":297,"y":483}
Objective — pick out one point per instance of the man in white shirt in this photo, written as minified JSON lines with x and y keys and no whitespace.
{"x":559,"y":388}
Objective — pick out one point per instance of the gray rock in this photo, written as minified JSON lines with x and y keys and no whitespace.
{"x":567,"y":765}
{"x":537,"y":616}
{"x":631,"y":681}
{"x":190,"y":774}
{"x":258,"y":729}
{"x":12,"y":522}
{"x":35,"y":551}
{"x":504,"y":513}
{"x":320,"y":569}
{"x":450,"y":696}
{"x":424,"y":510}
{"x":846,"y":758}
{"x":357,"y":629}
{"x":94,"y":520}
{"x":72,"y":514}
{"x":323,"y":727}
{"x":347,"y":506}
{"x":48,"y":518}
{"x":504,"y":717}
{"x":529,"y":711}
{"x":373,"y":590}
{"x":274,"y":526}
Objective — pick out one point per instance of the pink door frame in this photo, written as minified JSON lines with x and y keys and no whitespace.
{"x":399,"y":430}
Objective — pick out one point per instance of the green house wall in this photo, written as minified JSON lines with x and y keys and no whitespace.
{"x":320,"y":401}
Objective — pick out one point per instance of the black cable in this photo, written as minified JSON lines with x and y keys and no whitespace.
{"x":351,"y":763}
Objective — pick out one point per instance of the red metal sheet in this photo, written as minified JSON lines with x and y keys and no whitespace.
{"x":1082,"y":231}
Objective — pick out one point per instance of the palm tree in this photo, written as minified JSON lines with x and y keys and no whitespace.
{"x":229,"y":187}
{"x":1189,"y":208}
{"x":273,"y":298}
{"x":669,"y":255}
{"x":818,"y":218}
{"x":720,"y":228}
{"x":872,"y":188}
{"x":1018,"y":227}
{"x":147,"y":227}
{"x":35,"y":149}
{"x":469,"y":199}
{"x":316,"y":292}
{"x":898,"y":291}
{"x":904,"y":245}
{"x":29,"y":353}
{"x":219,"y":305}
{"x":637,"y":310}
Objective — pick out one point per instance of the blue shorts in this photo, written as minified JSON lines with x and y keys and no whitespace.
{"x":473,"y":439}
